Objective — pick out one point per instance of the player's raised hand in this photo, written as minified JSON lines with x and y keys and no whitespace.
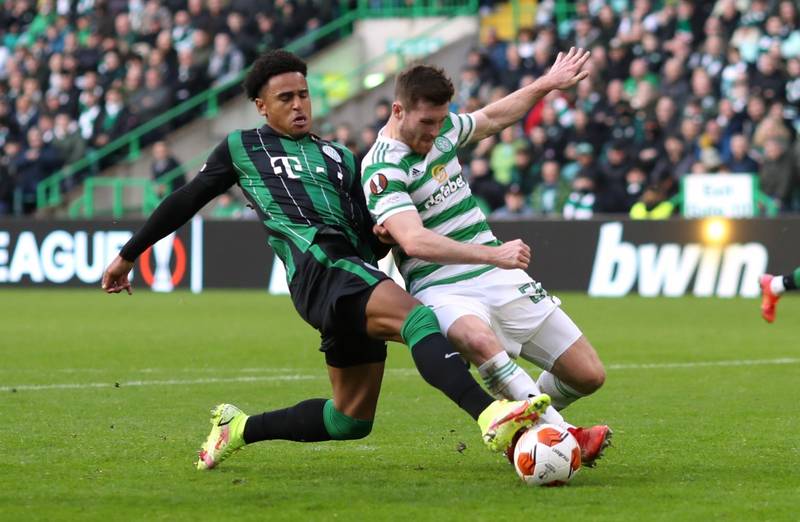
{"x":566,"y":71}
{"x":513,"y":254}
{"x":115,"y":278}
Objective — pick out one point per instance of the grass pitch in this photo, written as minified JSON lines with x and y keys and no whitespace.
{"x":105,"y":401}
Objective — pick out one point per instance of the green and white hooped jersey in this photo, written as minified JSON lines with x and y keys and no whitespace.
{"x":397,"y":180}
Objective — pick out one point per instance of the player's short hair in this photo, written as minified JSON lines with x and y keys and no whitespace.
{"x":423,"y":82}
{"x":271,"y":63}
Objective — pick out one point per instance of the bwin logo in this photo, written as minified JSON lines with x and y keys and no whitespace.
{"x":668,"y":270}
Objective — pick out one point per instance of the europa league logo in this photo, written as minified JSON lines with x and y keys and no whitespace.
{"x":162,"y":278}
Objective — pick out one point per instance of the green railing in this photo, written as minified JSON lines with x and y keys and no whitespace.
{"x":391,"y":9}
{"x":153,"y":191}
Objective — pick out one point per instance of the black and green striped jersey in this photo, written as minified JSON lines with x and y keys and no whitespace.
{"x":299,"y":187}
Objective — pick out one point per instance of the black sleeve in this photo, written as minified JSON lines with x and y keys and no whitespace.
{"x":216,"y":176}
{"x":357,"y":193}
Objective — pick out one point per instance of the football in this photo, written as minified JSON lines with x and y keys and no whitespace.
{"x":547,"y":455}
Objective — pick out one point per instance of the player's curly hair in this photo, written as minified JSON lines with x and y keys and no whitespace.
{"x":423,"y":82}
{"x":271,"y":63}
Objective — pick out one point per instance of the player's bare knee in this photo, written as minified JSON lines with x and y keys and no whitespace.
{"x":481,"y":345}
{"x":593,"y":380}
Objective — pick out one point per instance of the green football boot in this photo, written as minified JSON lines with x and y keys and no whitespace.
{"x":502,"y":419}
{"x":226,"y":437}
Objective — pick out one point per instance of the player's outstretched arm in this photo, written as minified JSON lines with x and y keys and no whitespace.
{"x":407,"y":230}
{"x":565,"y":72}
{"x":214,"y":178}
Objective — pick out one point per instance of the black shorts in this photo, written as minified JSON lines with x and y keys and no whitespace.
{"x":330,"y":290}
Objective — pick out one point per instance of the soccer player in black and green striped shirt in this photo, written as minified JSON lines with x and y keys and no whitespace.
{"x":308,"y":194}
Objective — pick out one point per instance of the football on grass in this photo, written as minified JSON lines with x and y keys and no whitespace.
{"x":547,"y":455}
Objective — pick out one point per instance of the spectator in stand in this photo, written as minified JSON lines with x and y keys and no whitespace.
{"x":25,"y":114}
{"x":243,"y":39}
{"x":671,"y":167}
{"x":150,"y":101}
{"x":586,"y":163}
{"x":639,"y":73}
{"x":512,"y":76}
{"x":653,"y":204}
{"x":112,"y":121}
{"x":89,"y":113}
{"x":33,"y":164}
{"x":739,"y":159}
{"x":8,"y":175}
{"x":779,"y":172}
{"x":768,"y":81}
{"x":619,"y":61}
{"x":382,"y":109}
{"x":586,"y":34}
{"x":703,"y":93}
{"x":515,"y":206}
{"x":67,"y":139}
{"x":675,"y":85}
{"x":525,"y":172}
{"x":550,"y":196}
{"x":227,"y":207}
{"x":182,"y":30}
{"x":490,"y":193}
{"x":367,"y":138}
{"x":226,"y":61}
{"x":501,"y":158}
{"x":580,"y":202}
{"x":190,"y":79}
{"x":164,"y":163}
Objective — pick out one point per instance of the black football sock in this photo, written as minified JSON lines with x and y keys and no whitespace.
{"x":440,"y":364}
{"x":303,"y":422}
{"x":792,"y":281}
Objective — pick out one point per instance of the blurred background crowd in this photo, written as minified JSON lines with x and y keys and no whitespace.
{"x":675,"y":87}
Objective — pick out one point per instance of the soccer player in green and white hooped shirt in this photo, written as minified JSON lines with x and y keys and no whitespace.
{"x":449,"y":257}
{"x":308,"y":195}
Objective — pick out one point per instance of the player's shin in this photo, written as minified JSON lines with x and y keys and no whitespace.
{"x":434,"y":359}
{"x":561,"y":393}
{"x":505,"y":379}
{"x":303,"y":422}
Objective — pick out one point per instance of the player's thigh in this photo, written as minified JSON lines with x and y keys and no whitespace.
{"x":551,"y":339}
{"x":356,"y":389}
{"x":474,"y":338}
{"x":386,"y":310}
{"x":580,"y":366}
{"x":454,"y":301}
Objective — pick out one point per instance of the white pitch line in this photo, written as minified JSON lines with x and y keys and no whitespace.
{"x":168,"y":382}
{"x":702,"y":364}
{"x":392,"y":371}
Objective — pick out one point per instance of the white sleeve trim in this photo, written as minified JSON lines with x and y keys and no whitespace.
{"x":470,"y":120}
{"x":396,"y":210}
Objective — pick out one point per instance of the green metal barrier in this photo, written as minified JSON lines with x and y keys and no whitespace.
{"x":153,"y":192}
{"x":391,"y":9}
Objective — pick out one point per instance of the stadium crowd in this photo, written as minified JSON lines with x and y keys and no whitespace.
{"x":675,"y":87}
{"x":75,"y":75}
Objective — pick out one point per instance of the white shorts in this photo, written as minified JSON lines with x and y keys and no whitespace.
{"x":525,"y":318}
